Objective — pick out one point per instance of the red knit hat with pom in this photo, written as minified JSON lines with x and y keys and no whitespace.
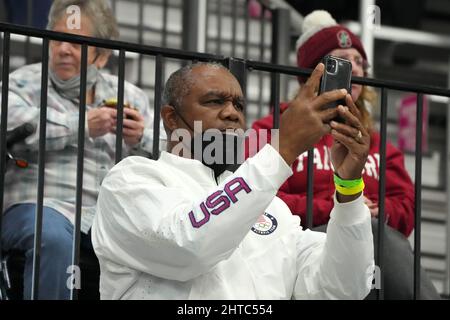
{"x":321,"y":34}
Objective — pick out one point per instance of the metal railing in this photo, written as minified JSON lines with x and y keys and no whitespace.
{"x":240,"y":68}
{"x":123,"y":47}
{"x":384,"y":86}
{"x":270,"y":40}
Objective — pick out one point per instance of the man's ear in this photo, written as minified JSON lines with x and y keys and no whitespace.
{"x":169,"y":117}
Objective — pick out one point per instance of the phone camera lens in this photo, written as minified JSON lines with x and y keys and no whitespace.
{"x":331,"y":66}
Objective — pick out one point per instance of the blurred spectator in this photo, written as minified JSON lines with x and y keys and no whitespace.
{"x":63,"y":103}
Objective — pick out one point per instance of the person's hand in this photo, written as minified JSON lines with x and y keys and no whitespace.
{"x":101,"y":121}
{"x":373,"y":207}
{"x":305,"y":121}
{"x":351,"y":143}
{"x":351,"y":146}
{"x":133,"y":126}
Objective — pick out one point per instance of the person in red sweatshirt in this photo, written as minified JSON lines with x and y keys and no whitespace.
{"x":322,"y":36}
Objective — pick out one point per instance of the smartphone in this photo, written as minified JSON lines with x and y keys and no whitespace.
{"x":337,"y":75}
{"x":112,"y":103}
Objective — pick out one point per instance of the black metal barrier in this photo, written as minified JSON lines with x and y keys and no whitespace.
{"x":240,"y":68}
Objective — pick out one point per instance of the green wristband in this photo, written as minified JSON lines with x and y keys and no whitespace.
{"x":347,"y":183}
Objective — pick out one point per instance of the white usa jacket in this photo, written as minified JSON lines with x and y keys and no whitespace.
{"x":167,"y":230}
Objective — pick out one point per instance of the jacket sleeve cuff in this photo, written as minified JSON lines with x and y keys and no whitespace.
{"x":350,"y":213}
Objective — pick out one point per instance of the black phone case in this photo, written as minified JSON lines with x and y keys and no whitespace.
{"x":338,"y":79}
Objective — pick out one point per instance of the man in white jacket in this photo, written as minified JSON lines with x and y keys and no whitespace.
{"x":180,"y":228}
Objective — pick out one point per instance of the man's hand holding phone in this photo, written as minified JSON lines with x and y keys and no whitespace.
{"x":311,"y":115}
{"x":306,"y":120}
{"x":337,"y":75}
{"x":351,"y":145}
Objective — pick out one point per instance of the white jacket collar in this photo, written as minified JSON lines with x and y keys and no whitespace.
{"x":192,"y":167}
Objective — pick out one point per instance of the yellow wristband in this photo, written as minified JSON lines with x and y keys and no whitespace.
{"x":346,"y":183}
{"x":350,"y":191}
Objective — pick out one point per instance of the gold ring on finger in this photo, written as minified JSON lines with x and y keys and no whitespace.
{"x":358,"y":136}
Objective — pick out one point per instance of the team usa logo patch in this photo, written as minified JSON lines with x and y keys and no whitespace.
{"x":265,"y":225}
